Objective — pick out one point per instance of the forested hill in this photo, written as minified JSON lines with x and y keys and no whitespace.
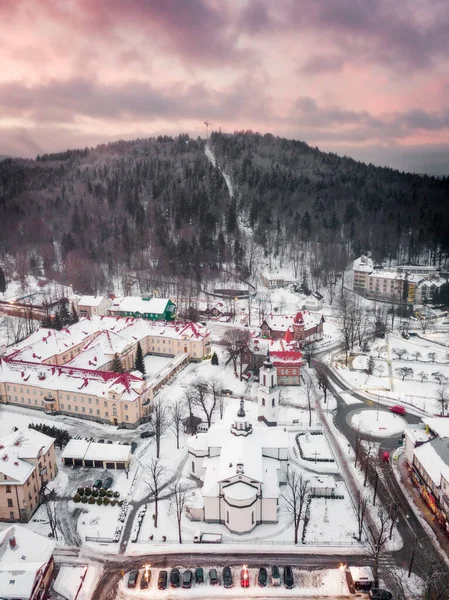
{"x":162,"y":205}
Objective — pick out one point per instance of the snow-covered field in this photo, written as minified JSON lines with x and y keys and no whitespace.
{"x":314,"y":445}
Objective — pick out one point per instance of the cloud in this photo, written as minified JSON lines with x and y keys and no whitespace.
{"x":322,"y":63}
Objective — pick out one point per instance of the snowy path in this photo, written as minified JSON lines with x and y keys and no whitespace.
{"x":211,"y":156}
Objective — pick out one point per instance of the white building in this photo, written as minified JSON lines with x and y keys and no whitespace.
{"x":26,"y":564}
{"x":88,"y":306}
{"x":242,"y":462}
{"x":314,"y":301}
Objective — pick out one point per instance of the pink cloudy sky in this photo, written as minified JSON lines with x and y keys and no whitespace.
{"x":369,"y":78}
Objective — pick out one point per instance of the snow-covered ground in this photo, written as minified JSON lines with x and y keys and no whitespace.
{"x":77,"y":581}
{"x":378,"y":423}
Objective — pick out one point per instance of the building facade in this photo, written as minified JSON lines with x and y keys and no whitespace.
{"x":89,"y":306}
{"x":26,"y":564}
{"x":154,"y":309}
{"x":27,"y":464}
{"x":304,"y":327}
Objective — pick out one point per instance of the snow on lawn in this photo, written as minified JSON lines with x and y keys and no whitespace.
{"x":97,"y":521}
{"x":313,"y":583}
{"x":327,"y":525}
{"x":378,"y":423}
{"x":314,"y":445}
{"x":11,"y":418}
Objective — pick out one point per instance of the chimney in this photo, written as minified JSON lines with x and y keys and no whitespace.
{"x":12,"y":543}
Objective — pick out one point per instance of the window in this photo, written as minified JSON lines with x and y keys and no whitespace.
{"x":98,"y":412}
{"x":273,"y":402}
{"x":252,"y":518}
{"x":76,"y":408}
{"x":126,"y":418}
{"x":90,"y":411}
{"x":11,"y":516}
{"x":89,"y":400}
{"x":83,"y":409}
{"x":97,"y":401}
{"x":69,"y":407}
{"x":193,"y":466}
{"x":126,"y":406}
{"x":106,"y":414}
{"x":8,"y":489}
{"x":263,"y":401}
{"x":10,"y":504}
{"x":227,"y":516}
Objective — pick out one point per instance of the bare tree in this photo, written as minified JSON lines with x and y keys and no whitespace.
{"x":309,"y":351}
{"x":399,"y":352}
{"x":323,"y":380}
{"x":201,"y":397}
{"x":180,"y":493}
{"x":442,"y":398}
{"x":422,"y":375}
{"x":361,"y":508}
{"x":404,"y":372}
{"x":381,"y":350}
{"x":153,"y":479}
{"x":48,"y":499}
{"x":235,"y":342}
{"x":440,"y":377}
{"x":308,"y":395}
{"x":160,"y":424}
{"x":177,"y":416}
{"x":424,"y":323}
{"x":377,"y":539}
{"x":432,"y":356}
{"x":295,"y":497}
{"x":366,"y":448}
{"x":416,"y":355}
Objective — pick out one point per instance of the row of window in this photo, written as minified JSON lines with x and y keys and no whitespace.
{"x":69,"y":407}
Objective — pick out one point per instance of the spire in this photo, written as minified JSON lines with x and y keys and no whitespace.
{"x":241,"y":411}
{"x":267,"y":363}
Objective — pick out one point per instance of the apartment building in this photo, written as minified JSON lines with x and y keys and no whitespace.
{"x":67,"y":371}
{"x":27,"y":463}
{"x":26,"y":564}
{"x":89,"y":306}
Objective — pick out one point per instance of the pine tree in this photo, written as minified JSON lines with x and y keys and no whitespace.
{"x":57,"y":322}
{"x":371,"y":365}
{"x":117,"y":366}
{"x":75,"y":317}
{"x":214,"y":359}
{"x":139,"y":363}
{"x":2,"y":281}
{"x":64,"y":314}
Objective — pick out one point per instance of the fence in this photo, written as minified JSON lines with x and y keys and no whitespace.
{"x":347,"y":544}
{"x":103,"y":540}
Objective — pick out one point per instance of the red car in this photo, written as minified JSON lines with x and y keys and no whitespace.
{"x":400,"y":410}
{"x":244,"y":578}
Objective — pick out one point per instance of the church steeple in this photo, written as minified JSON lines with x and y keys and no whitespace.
{"x":241,"y":425}
{"x":268,"y":395}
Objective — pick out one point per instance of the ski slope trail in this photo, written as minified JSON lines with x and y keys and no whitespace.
{"x":211,"y":157}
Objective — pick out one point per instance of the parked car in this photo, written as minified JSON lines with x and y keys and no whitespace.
{"x":262,"y":577}
{"x":227,"y":578}
{"x":147,"y":434}
{"x":162,"y":580}
{"x":187,"y":579}
{"x":132,"y":579}
{"x":146,"y":578}
{"x":199,"y":575}
{"x":107,"y":483}
{"x":213,"y":577}
{"x":244,"y":577}
{"x":109,"y":442}
{"x":133,"y":447}
{"x":380,"y":594}
{"x":98,"y":484}
{"x":400,"y":410}
{"x":226,"y":392}
{"x":101,"y":441}
{"x":175,"y":578}
{"x":275,"y":576}
{"x":289,"y":581}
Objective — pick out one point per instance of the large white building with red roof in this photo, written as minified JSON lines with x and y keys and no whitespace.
{"x":67,"y":371}
{"x":304,"y":327}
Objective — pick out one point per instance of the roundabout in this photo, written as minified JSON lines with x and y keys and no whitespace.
{"x":376,"y":423}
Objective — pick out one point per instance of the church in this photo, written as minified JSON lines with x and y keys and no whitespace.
{"x":242,"y":461}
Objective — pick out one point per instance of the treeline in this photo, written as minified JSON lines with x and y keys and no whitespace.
{"x":61,"y":436}
{"x":160,"y":207}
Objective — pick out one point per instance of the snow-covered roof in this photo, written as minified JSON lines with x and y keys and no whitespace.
{"x":283,"y":322}
{"x":322,"y":482}
{"x":135,"y":304}
{"x":240,"y":490}
{"x":432,"y":462}
{"x":82,"y":449}
{"x":16,"y":448}
{"x":417,"y":432}
{"x":364,"y":264}
{"x":92,"y":301}
{"x":440,"y":425}
{"x":22,"y":554}
{"x":361,"y":574}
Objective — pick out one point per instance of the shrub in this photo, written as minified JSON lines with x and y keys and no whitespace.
{"x":91,"y":500}
{"x":120,"y":502}
{"x":80,"y":490}
{"x":113,"y":502}
{"x":102,"y":493}
{"x":77,"y":498}
{"x":116,"y":494}
{"x":84,"y":499}
{"x":109,"y":493}
{"x":99,"y":501}
{"x":95,"y":493}
{"x":87,"y":491}
{"x":106,"y":501}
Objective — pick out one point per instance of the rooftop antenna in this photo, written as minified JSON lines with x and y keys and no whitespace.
{"x":207,"y":123}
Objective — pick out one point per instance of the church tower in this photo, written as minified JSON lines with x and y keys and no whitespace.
{"x":268,"y":394}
